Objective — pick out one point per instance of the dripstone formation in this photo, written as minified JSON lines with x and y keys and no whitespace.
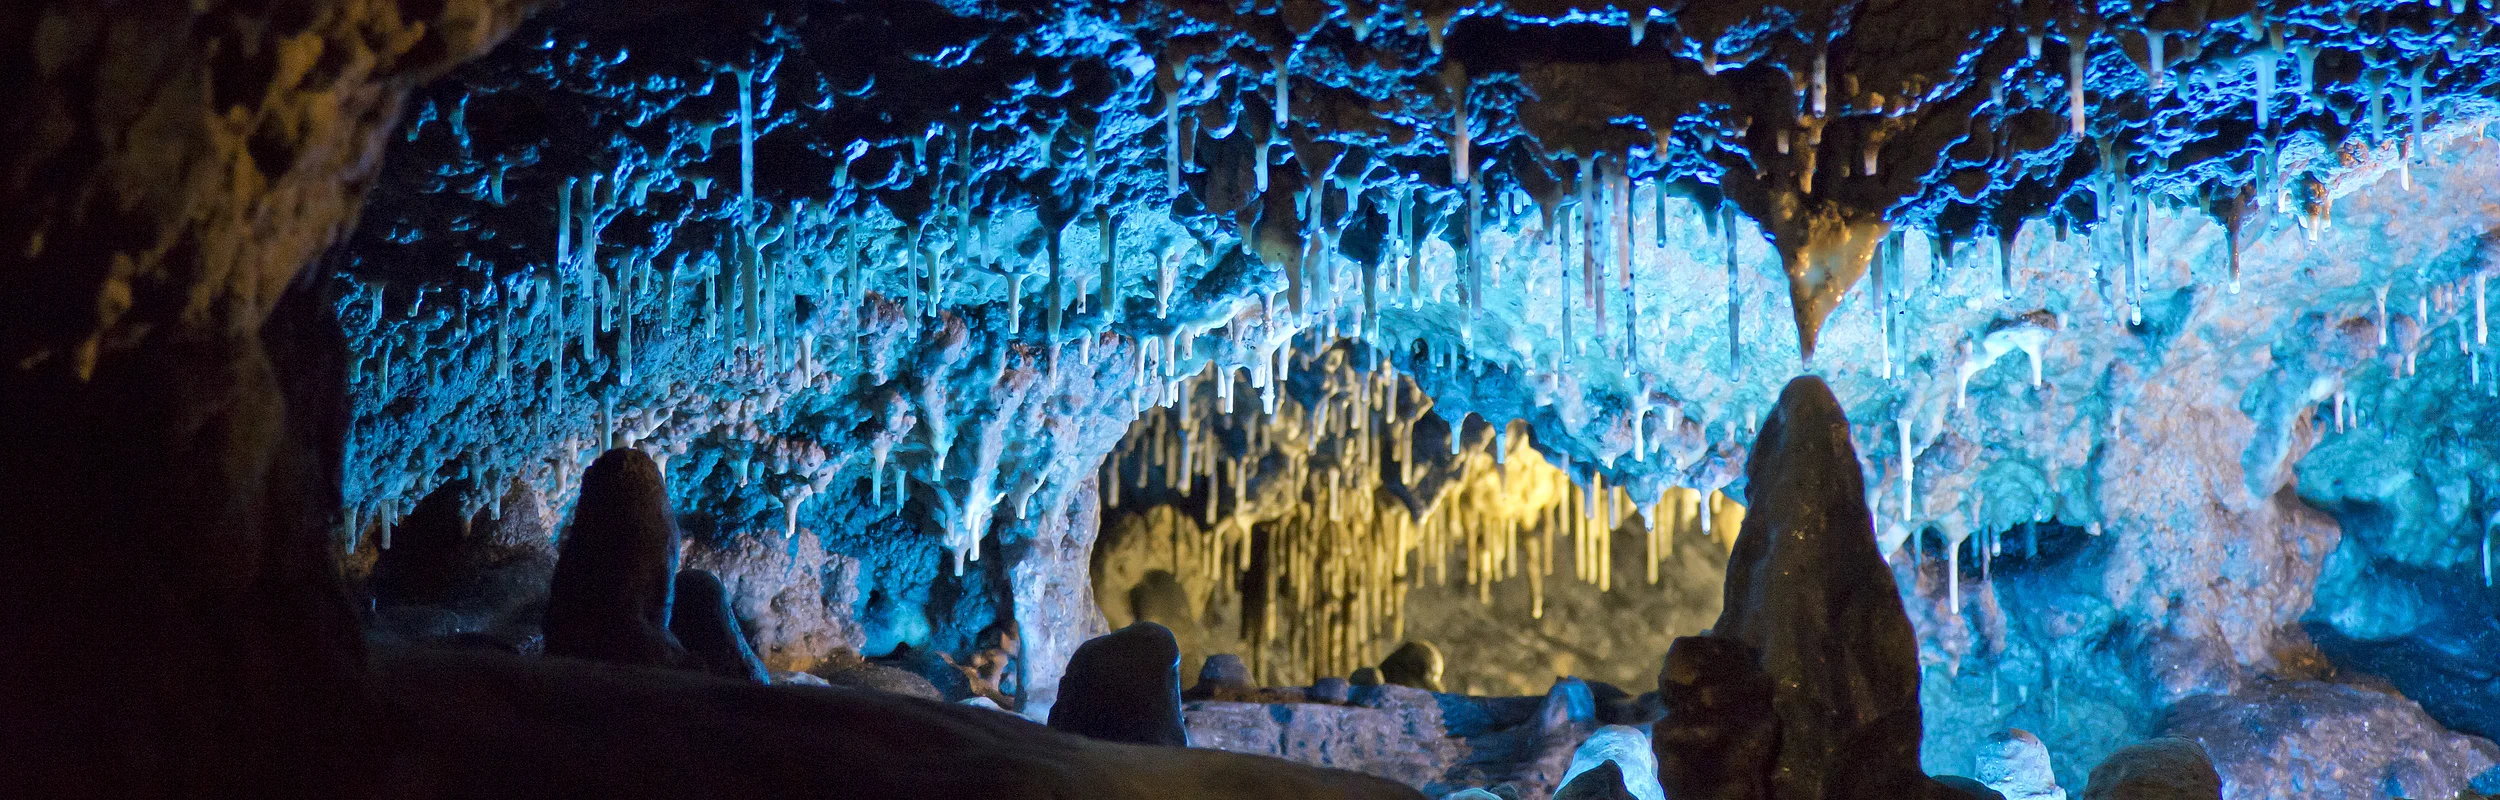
{"x":706,"y":626}
{"x":616,"y":573}
{"x":1812,"y":615}
{"x":1124,"y":686}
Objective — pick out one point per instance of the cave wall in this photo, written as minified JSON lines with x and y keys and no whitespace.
{"x":171,"y":169}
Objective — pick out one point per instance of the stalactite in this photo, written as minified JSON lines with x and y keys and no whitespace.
{"x":1735,"y":294}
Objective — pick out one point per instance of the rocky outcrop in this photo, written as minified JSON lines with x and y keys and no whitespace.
{"x":1124,"y":686}
{"x":703,"y":622}
{"x":2265,"y":742}
{"x":1811,"y":612}
{"x":2161,"y":769}
{"x":615,"y":573}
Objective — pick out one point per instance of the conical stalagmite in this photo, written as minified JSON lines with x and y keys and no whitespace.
{"x":1811,"y":612}
{"x":609,"y":600}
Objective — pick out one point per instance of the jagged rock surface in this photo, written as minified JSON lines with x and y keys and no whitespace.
{"x":2263,"y":738}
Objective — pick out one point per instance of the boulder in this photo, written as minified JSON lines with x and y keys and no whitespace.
{"x":1416,"y":663}
{"x":615,"y":572}
{"x":2016,"y":764}
{"x":2161,"y":769}
{"x":850,"y":671}
{"x":705,"y":625}
{"x":2290,"y":738}
{"x":1124,"y":686}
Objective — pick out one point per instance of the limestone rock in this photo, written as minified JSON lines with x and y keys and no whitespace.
{"x":2273,"y":739}
{"x":1124,"y":686}
{"x":1331,"y":689}
{"x":1394,"y":732}
{"x":2016,"y":764}
{"x":609,"y":600}
{"x":1223,"y":676}
{"x":1626,"y":751}
{"x":1603,"y":782}
{"x":705,"y":625}
{"x":851,"y":671}
{"x":2161,"y":769}
{"x":1416,"y":663}
{"x":1717,"y":738}
{"x":1812,"y":632}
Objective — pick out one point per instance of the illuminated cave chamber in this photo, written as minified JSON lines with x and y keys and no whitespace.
{"x":957,"y":334}
{"x":1313,"y":528}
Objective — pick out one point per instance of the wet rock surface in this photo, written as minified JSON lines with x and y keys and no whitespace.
{"x":1124,"y":686}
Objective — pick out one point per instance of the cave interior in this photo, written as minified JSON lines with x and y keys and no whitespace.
{"x":1174,"y":399}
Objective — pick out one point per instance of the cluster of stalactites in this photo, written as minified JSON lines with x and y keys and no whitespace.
{"x":1330,"y":491}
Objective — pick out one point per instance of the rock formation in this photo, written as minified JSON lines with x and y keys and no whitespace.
{"x":1625,"y":751}
{"x":2161,"y":769}
{"x":1124,"y":686}
{"x":705,"y":625}
{"x":1602,"y":782}
{"x":1416,"y":663}
{"x":2016,"y":764}
{"x":616,"y":571}
{"x":1812,"y":612}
